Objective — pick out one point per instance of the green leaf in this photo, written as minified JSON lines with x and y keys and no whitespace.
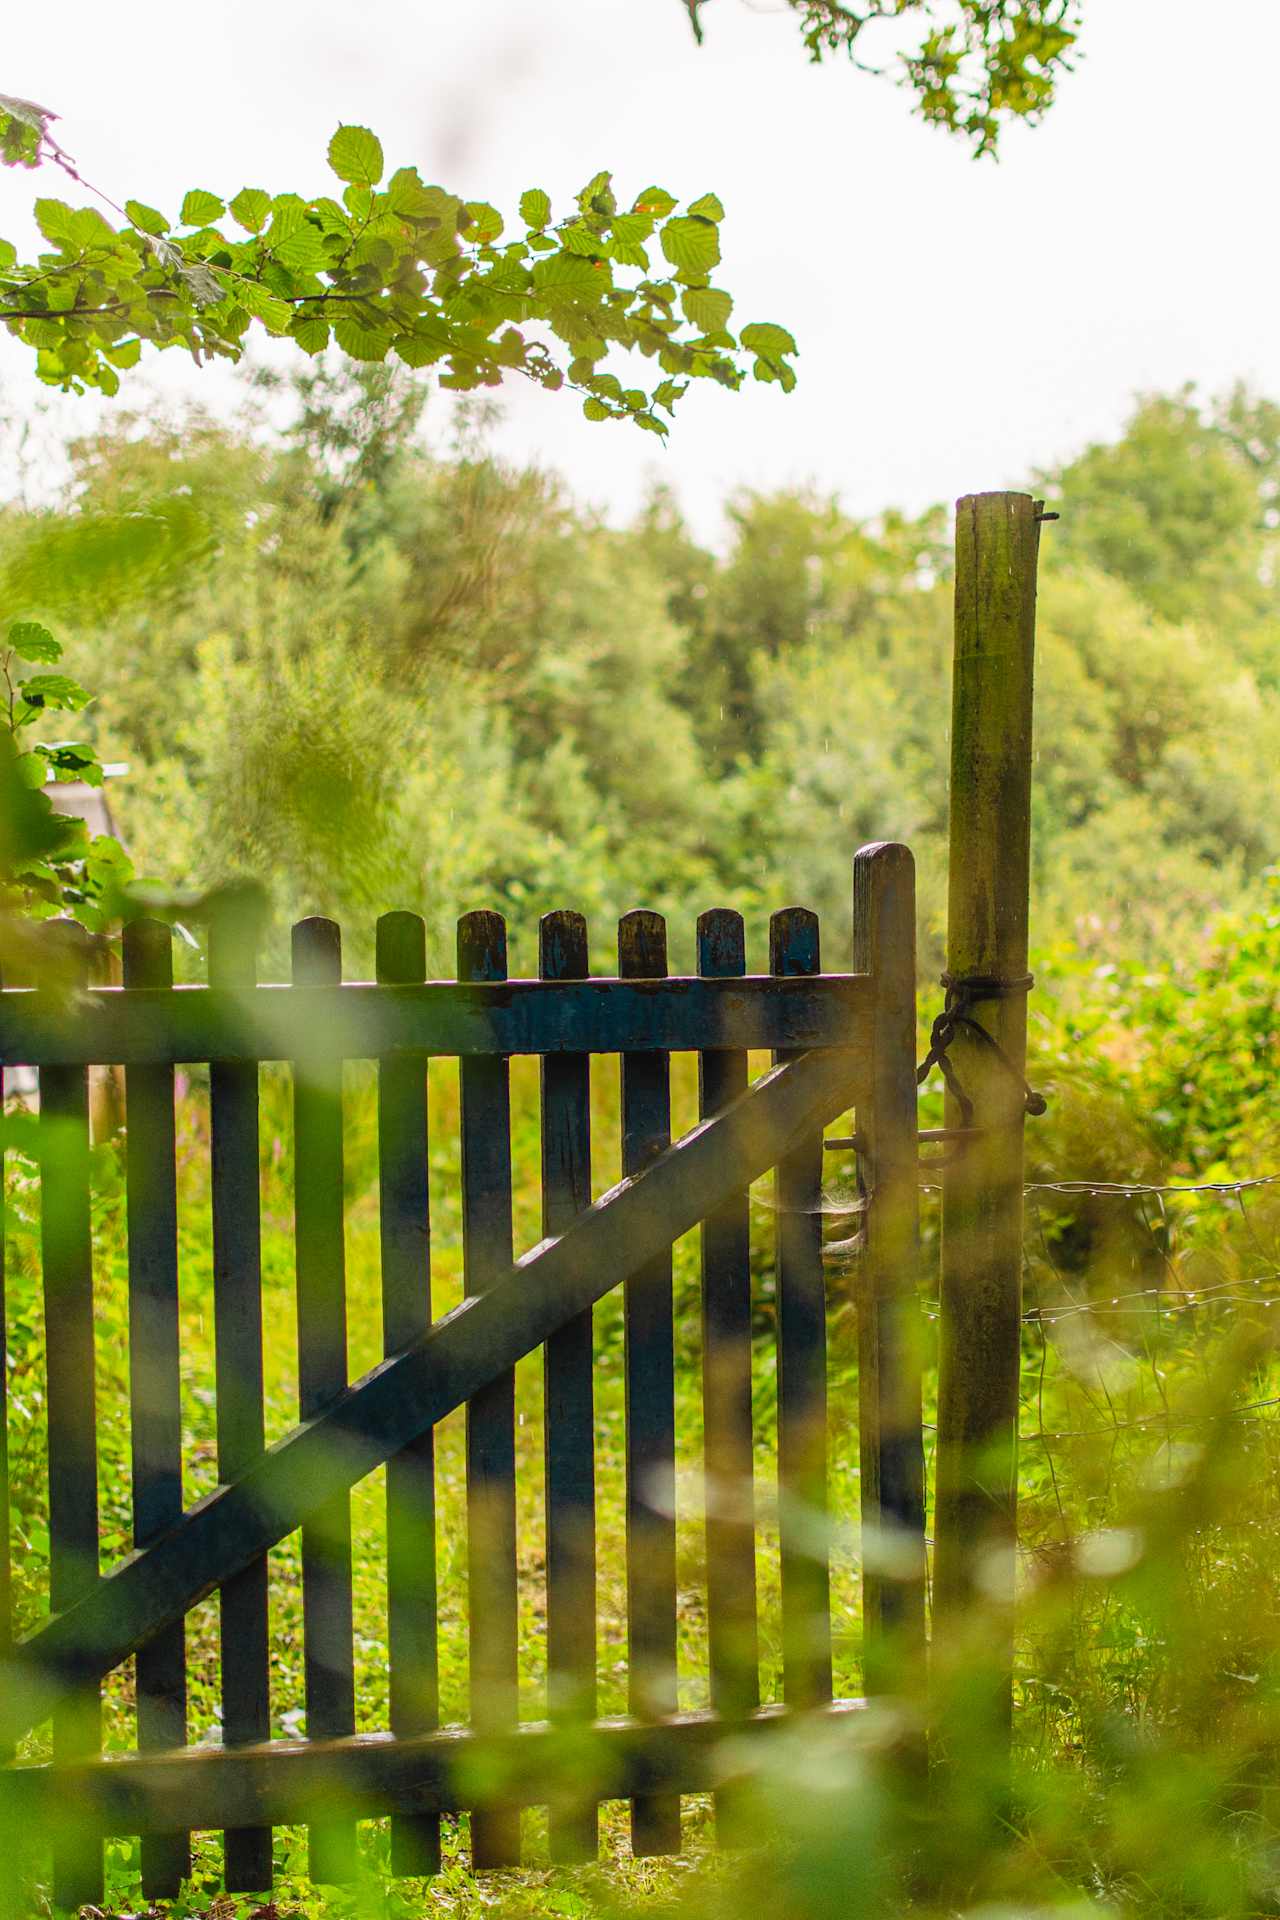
{"x":706,"y":308}
{"x":303,"y":251}
{"x":767,"y":339}
{"x":251,"y":207}
{"x":596,"y":409}
{"x":54,"y":690}
{"x":708,"y":208}
{"x":407,"y":196}
{"x":535,"y":207}
{"x":597,"y":196}
{"x":30,"y":641}
{"x":568,"y":276}
{"x":360,"y":340}
{"x":484,"y":223}
{"x":654,"y":200}
{"x":145,"y":218}
{"x":200,"y":208}
{"x":274,"y":314}
{"x":692,"y":245}
{"x":310,"y":332}
{"x":355,"y":155}
{"x":53,"y":217}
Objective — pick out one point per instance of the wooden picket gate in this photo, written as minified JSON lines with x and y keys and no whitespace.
{"x":840,"y":1041}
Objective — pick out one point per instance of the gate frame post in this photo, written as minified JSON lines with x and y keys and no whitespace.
{"x":891,"y":1441}
{"x":997,"y":545}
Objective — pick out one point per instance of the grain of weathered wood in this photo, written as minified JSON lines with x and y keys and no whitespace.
{"x":67,"y":1257}
{"x":154,"y":1385}
{"x":802,"y":1376}
{"x":891,"y":1436}
{"x":237,"y":1320}
{"x":491,"y":1456}
{"x":726,"y":1392}
{"x":322,"y":1377}
{"x":400,"y":1398}
{"x":649,"y":1340}
{"x":443,"y":1772}
{"x":568,"y":1400}
{"x":997,"y":540}
{"x":405,"y":1222}
{"x":364,"y":1022}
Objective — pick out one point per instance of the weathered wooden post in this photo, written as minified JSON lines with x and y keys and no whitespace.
{"x":997,"y":539}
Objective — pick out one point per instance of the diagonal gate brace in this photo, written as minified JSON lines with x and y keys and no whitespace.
{"x":395,"y":1402}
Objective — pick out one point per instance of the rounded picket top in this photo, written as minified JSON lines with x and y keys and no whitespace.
{"x":722,"y":942}
{"x":562,"y":945}
{"x":400,"y":946}
{"x":642,"y":944}
{"x":482,"y":945}
{"x":793,"y":941}
{"x":317,"y":952}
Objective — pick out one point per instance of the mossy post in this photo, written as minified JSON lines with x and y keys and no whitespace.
{"x":997,"y":540}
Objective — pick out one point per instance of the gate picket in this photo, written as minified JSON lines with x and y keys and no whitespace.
{"x":491,"y":1446}
{"x":67,"y":1257}
{"x":405,"y":1222}
{"x":650,"y":1405}
{"x":151,"y":1179}
{"x":802,"y":1377}
{"x":726,"y":1387}
{"x":417,"y":1771}
{"x":322,"y":1374}
{"x":237,"y":1320}
{"x":568,"y":1398}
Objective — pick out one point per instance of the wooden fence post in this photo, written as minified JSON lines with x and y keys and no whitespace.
{"x":997,"y":539}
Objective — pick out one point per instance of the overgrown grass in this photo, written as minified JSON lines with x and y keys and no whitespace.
{"x":1149,"y":1634}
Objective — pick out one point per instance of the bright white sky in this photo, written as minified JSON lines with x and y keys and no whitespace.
{"x":958,"y":321}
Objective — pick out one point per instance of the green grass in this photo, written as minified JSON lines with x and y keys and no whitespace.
{"x":1149,"y":1521}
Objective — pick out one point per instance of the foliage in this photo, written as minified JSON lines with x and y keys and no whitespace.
{"x":980,"y":63}
{"x":401,"y":268}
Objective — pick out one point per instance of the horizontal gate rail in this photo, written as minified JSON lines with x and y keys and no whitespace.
{"x":399,"y":1399}
{"x":836,"y":1041}
{"x":451,"y":1771}
{"x":358,"y":1021}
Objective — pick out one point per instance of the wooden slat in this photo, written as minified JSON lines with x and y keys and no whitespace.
{"x":360,"y":1021}
{"x":726,"y":1392}
{"x":802,"y":1376}
{"x":444,"y":1772}
{"x":400,"y":1398}
{"x":67,"y":1254}
{"x":6,"y":1561}
{"x":237,"y":1315}
{"x":891,"y":1437}
{"x":650,"y":1394}
{"x":491,"y":1466}
{"x":322,"y":1376}
{"x":154,"y":1381}
{"x":568,"y":1397}
{"x":405,"y":1218}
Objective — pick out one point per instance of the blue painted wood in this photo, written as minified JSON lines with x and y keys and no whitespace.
{"x":622,"y":1232}
{"x":726,"y":1394}
{"x":568,"y":1400}
{"x":650,"y":1395}
{"x":491,"y":1464}
{"x":67,"y":1258}
{"x":802,"y":1376}
{"x":363,"y":1022}
{"x":405,"y":1220}
{"x":154,"y":1383}
{"x":322,"y":1376}
{"x":237,"y":1319}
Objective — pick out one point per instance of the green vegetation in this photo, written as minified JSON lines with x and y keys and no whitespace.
{"x":369,"y":670}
